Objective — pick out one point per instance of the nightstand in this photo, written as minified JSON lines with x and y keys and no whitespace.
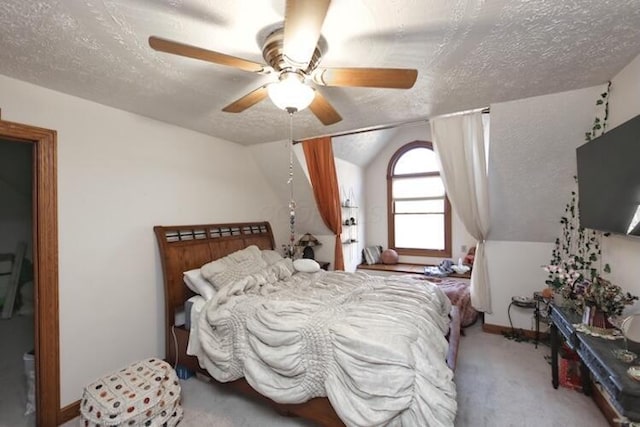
{"x":324,"y":264}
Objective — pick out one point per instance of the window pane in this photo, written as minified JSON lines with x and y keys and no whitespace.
{"x":417,"y":187}
{"x":416,"y":160}
{"x":420,"y":206}
{"x":419,"y":231}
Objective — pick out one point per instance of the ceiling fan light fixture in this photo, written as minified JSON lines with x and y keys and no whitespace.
{"x":291,"y":93}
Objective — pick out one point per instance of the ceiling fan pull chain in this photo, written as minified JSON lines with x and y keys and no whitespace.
{"x":292,"y":202}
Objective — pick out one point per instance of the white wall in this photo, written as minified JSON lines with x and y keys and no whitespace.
{"x":531,"y":169}
{"x":119,"y":174}
{"x":376,"y":197}
{"x":621,"y":252}
{"x":532,"y":162}
{"x":624,"y":99}
{"x":514,"y":270}
{"x":525,"y":199}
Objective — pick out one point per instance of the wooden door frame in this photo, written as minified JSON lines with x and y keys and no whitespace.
{"x":45,"y":267}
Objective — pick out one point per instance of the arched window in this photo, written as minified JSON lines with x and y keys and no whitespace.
{"x":419,"y":213}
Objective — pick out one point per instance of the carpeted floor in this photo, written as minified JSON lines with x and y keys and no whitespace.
{"x":506,"y":383}
{"x":500,"y":383}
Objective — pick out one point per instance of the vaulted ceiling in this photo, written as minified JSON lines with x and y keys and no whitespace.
{"x":468,"y":53}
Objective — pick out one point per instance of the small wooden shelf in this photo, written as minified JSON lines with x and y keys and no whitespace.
{"x":350,"y":222}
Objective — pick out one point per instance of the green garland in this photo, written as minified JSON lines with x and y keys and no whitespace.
{"x":575,"y":257}
{"x":576,"y":253}
{"x":600,"y":125}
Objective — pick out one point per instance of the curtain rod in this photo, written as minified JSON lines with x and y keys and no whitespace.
{"x":382,"y":127}
{"x":485,"y":110}
{"x":363,"y":130}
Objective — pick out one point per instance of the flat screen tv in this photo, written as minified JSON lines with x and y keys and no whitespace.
{"x":609,"y":180}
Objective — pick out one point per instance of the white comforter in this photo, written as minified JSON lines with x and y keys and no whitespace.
{"x":374,"y":346}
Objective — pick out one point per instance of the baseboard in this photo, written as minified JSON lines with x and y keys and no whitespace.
{"x":69,"y":412}
{"x":502,"y":330}
{"x":602,"y":401}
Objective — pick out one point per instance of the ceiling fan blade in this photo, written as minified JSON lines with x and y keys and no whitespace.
{"x":323,"y":110}
{"x":247,"y":101}
{"x":176,"y":48}
{"x":394,"y":78}
{"x":302,"y":26}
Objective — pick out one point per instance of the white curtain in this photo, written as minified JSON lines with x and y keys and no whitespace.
{"x":461,"y":144}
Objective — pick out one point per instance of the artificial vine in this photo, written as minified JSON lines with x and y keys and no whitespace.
{"x":577,"y":251}
{"x":600,"y":125}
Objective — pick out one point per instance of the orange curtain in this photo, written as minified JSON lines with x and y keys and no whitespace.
{"x":324,"y":180}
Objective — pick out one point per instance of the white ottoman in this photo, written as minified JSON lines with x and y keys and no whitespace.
{"x":146,"y":393}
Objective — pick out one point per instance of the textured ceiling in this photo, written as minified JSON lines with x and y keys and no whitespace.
{"x":532,"y":166}
{"x":468,"y":54}
{"x":361,"y":148}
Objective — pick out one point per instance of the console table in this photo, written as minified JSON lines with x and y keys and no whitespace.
{"x":596,"y":358}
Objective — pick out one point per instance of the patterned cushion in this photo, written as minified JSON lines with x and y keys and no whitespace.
{"x":234,"y":267}
{"x":371,"y":254}
{"x":146,"y":393}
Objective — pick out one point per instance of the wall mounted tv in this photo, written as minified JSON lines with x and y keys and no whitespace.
{"x":609,"y":180}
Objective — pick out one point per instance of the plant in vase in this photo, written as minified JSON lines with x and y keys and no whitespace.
{"x":608,"y":300}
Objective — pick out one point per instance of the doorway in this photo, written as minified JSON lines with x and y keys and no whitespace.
{"x":45,"y":267}
{"x":17,"y":383}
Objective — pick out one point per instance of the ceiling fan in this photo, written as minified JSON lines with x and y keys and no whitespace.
{"x":293,"y":53}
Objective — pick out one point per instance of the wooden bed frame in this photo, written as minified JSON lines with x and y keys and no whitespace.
{"x":187,"y":247}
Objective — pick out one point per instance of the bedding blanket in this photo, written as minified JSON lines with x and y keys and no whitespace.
{"x":375,"y":346}
{"x":459,"y":294}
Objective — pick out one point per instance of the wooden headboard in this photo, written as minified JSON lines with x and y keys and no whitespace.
{"x":185,"y":247}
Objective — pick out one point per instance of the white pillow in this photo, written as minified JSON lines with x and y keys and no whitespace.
{"x":306,"y":265}
{"x":198,"y":284}
{"x":234,"y":267}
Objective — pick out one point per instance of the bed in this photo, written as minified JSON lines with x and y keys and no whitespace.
{"x":459,"y":294}
{"x":183,"y":248}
